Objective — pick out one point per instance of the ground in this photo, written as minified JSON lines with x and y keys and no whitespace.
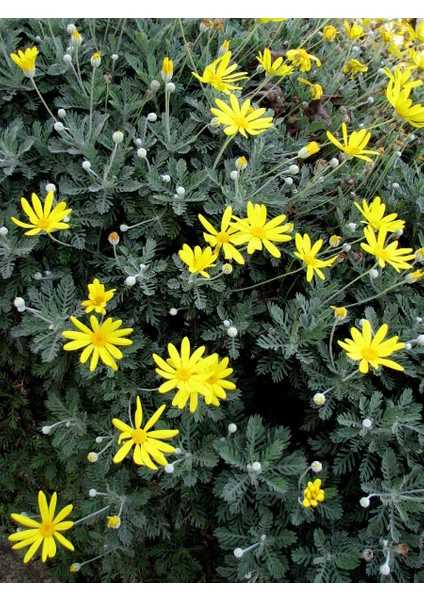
{"x":13,"y":570}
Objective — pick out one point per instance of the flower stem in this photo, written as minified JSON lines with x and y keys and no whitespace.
{"x":59,"y":241}
{"x":92,"y":515}
{"x":250,"y":287}
{"x":352,"y":282}
{"x":112,"y":158}
{"x":221,"y":152}
{"x":168,"y":130}
{"x":42,"y":100}
{"x":91,"y":103}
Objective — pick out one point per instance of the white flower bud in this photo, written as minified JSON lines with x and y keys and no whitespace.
{"x":364,"y":502}
{"x":99,"y":440}
{"x":381,"y":72}
{"x":169,"y":468}
{"x":334,"y":163}
{"x":370,"y":100}
{"x":166,"y":178}
{"x":4,"y":231}
{"x":398,"y":153}
{"x":75,"y":567}
{"x":154,"y":85}
{"x":238,"y":552}
{"x":234,"y":175}
{"x":257,"y":467}
{"x":177,"y":451}
{"x":288,"y":181}
{"x":361,"y":322}
{"x":61,"y":113}
{"x":316,"y":466}
{"x":232,"y":332}
{"x":420,"y":340}
{"x":351,"y":227}
{"x":123,"y":227}
{"x":66,"y":219}
{"x":319,"y":399}
{"x":294,"y":169}
{"x":419,"y":319}
{"x":50,"y":187}
{"x":130,"y":281}
{"x":152,"y":117}
{"x":67,"y":59}
{"x":93,"y":457}
{"x":321,"y":179}
{"x":141,"y":153}
{"x":96,"y":59}
{"x":232,"y":428}
{"x":355,"y":49}
{"x":173,"y":312}
{"x":215,"y":123}
{"x":347,"y":247}
{"x":248,"y":575}
{"x":38,"y":276}
{"x":138,"y":142}
{"x":86,"y":165}
{"x":408,"y":346}
{"x":114,"y":57}
{"x":170,"y":87}
{"x":263,"y":537}
{"x":385,"y":570}
{"x":46,"y":430}
{"x":398,"y":233}
{"x":58,"y":126}
{"x":227,"y":323}
{"x":92,"y":493}
{"x":227,"y":269}
{"x":118,"y":137}
{"x":180,"y":190}
{"x":68,"y":424}
{"x":367,"y":423}
{"x":374,"y":274}
{"x":70,"y":28}
{"x":20,"y":303}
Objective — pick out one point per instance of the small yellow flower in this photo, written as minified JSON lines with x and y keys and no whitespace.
{"x":300,"y":58}
{"x":271,"y":20}
{"x":96,"y":59}
{"x":241,"y":163}
{"x":26,"y":60}
{"x":354,"y":147}
{"x":307,"y":254}
{"x":223,"y":238}
{"x":374,"y":215}
{"x":308,"y":150}
{"x":217,"y":380}
{"x":371,"y":351}
{"x":220,"y":76}
{"x":397,"y":93}
{"x":198,"y":260}
{"x":167,"y":69}
{"x":76,"y":39}
{"x":420,"y":32}
{"x":354,"y":67}
{"x":416,"y":59}
{"x":241,"y":119}
{"x":113,"y":238}
{"x":43,"y":218}
{"x":335,"y":241}
{"x":415,"y":276}
{"x":316,"y":89}
{"x":397,"y":258}
{"x":329,"y":33}
{"x":313,"y":494}
{"x":340,"y":312}
{"x":354,"y":31}
{"x":97,"y":297}
{"x":113,"y":522}
{"x":276,"y":68}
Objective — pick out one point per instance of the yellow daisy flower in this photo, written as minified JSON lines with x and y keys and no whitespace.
{"x":148,"y":445}
{"x":43,"y":218}
{"x":313,"y":494}
{"x":397,"y":93}
{"x":167,"y":69}
{"x":220,"y":76}
{"x":329,"y":33}
{"x":97,"y":297}
{"x":353,"y":31}
{"x":371,"y":351}
{"x":222,"y":239}
{"x":397,"y":258}
{"x":354,"y":67}
{"x":101,"y":340}
{"x":198,"y":260}
{"x":217,"y":382}
{"x":316,"y":89}
{"x":241,"y":119}
{"x":276,"y":68}
{"x":374,"y":214}
{"x":26,"y":60}
{"x":354,"y":147}
{"x":45,"y":532}
{"x":300,"y":58}
{"x":308,"y":255}
{"x":256,"y":232}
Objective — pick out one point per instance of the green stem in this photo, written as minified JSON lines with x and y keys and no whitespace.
{"x":42,"y":100}
{"x":330,"y":345}
{"x":59,"y":242}
{"x":92,"y":515}
{"x":221,"y":152}
{"x":78,"y":72}
{"x":168,"y":130}
{"x":251,"y":287}
{"x":91,"y":103}
{"x":352,"y":282}
{"x":112,"y":158}
{"x":386,"y":291}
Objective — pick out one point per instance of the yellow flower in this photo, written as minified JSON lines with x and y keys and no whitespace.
{"x":96,"y":59}
{"x":316,"y":89}
{"x":354,"y":67}
{"x":241,"y":119}
{"x":354,"y":147}
{"x":271,"y":20}
{"x":167,"y":69}
{"x":256,"y":232}
{"x":223,"y":238}
{"x":241,"y":163}
{"x":397,"y":93}
{"x":76,"y":39}
{"x":217,"y":383}
{"x":26,"y":60}
{"x":97,"y":297}
{"x":300,"y":58}
{"x":220,"y":76}
{"x":276,"y":68}
{"x":334,"y":241}
{"x":43,"y":218}
{"x":417,"y":59}
{"x":420,"y":31}
{"x":329,"y":33}
{"x":340,"y":312}
{"x":308,"y":150}
{"x":389,"y":254}
{"x":313,"y":494}
{"x":186,"y":373}
{"x":114,"y":522}
{"x":353,"y":32}
{"x":198,"y":260}
{"x":308,"y":255}
{"x":44,"y":532}
{"x":371,"y":351}
{"x":101,"y":340}
{"x":415,"y":276}
{"x":374,"y":214}
{"x":147,"y":444}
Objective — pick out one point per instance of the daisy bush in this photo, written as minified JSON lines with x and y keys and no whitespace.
{"x":211,"y":260}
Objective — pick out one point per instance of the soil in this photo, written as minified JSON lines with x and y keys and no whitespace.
{"x":13,"y":570}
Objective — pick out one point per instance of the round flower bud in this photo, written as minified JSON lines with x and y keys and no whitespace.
{"x":170,"y":87}
{"x":238,"y":552}
{"x":99,"y":440}
{"x":367,"y":423}
{"x":347,"y":247}
{"x":334,"y":241}
{"x":67,"y":59}
{"x":351,"y":227}
{"x":408,"y":346}
{"x":58,"y":126}
{"x":177,"y":451}
{"x":113,"y":238}
{"x":92,"y":493}
{"x":395,"y":186}
{"x":234,"y":175}
{"x":319,"y":399}
{"x":334,"y":163}
{"x":130,"y":281}
{"x":46,"y":430}
{"x":154,"y":85}
{"x":61,"y":113}
{"x":86,"y":165}
{"x":232,"y":332}
{"x":385,"y":570}
{"x":364,"y":502}
{"x":118,"y":137}
{"x":123,"y":228}
{"x":316,"y":466}
{"x":370,"y":100}
{"x":294,"y":169}
{"x":398,"y":233}
{"x":398,"y":153}
{"x":288,"y":181}
{"x":227,"y":269}
{"x":152,"y":117}
{"x":241,"y":163}
{"x":419,"y":319}
{"x":4,"y":231}
{"x":180,"y":190}
{"x":93,"y":457}
{"x":257,"y":467}
{"x":419,"y":340}
{"x":70,"y":28}
{"x":374,"y":274}
{"x":114,"y":57}
{"x":75,"y":567}
{"x":20,"y":303}
{"x":38,"y":276}
{"x":232,"y":428}
{"x":227,"y":323}
{"x":263,"y":537}
{"x":66,"y":219}
{"x":141,"y":153}
{"x":96,"y":59}
{"x":248,"y":575}
{"x":169,"y":468}
{"x":215,"y":124}
{"x":165,"y":178}
{"x":68,"y":424}
{"x":50,"y":187}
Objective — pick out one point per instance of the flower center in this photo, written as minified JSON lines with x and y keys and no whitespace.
{"x":369,"y":353}
{"x":98,"y":300}
{"x":223,"y":237}
{"x":98,"y":339}
{"x":381,"y":252}
{"x":139,"y":436}
{"x":46,"y":528}
{"x":43,"y":223}
{"x":258,"y":232}
{"x":309,"y":259}
{"x":241,"y":122}
{"x":212,"y":379}
{"x":182,"y":374}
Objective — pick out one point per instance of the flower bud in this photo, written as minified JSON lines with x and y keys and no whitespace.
{"x":3,"y":231}
{"x":351,"y":227}
{"x":70,"y":28}
{"x":374,"y":274}
{"x":419,"y":340}
{"x":347,"y":247}
{"x":288,"y":181}
{"x":38,"y":276}
{"x":227,"y":323}
{"x":170,"y":87}
{"x":46,"y":430}
{"x":364,"y":502}
{"x":141,"y":153}
{"x":334,"y":163}
{"x":61,"y":113}
{"x":169,"y":468}
{"x":367,"y":554}
{"x":123,"y":228}
{"x":113,"y":522}
{"x":130,"y":281}
{"x":232,"y":428}
{"x":294,"y":169}
{"x":316,"y":466}
{"x":263,"y":537}
{"x":58,"y":126}
{"x":99,"y":439}
{"x":67,"y":59}
{"x":92,"y":493}
{"x":154,"y":85}
{"x":241,"y":163}
{"x":93,"y":457}
{"x":96,"y":59}
{"x":408,"y":346}
{"x":86,"y":165}
{"x":180,"y":190}
{"x":370,"y":100}
{"x":238,"y":552}
{"x":20,"y":304}
{"x":234,"y":175}
{"x":152,"y":117}
{"x":113,"y":238}
{"x":232,"y":332}
{"x":76,"y":39}
{"x":165,"y":178}
{"x":385,"y":570}
{"x":227,"y":269}
{"x":334,"y":241}
{"x":114,"y":57}
{"x":257,"y":467}
{"x":50,"y":187}
{"x":367,"y":423}
{"x":75,"y":567}
{"x":177,"y":451}
{"x":118,"y":137}
{"x":319,"y":399}
{"x":167,"y":69}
